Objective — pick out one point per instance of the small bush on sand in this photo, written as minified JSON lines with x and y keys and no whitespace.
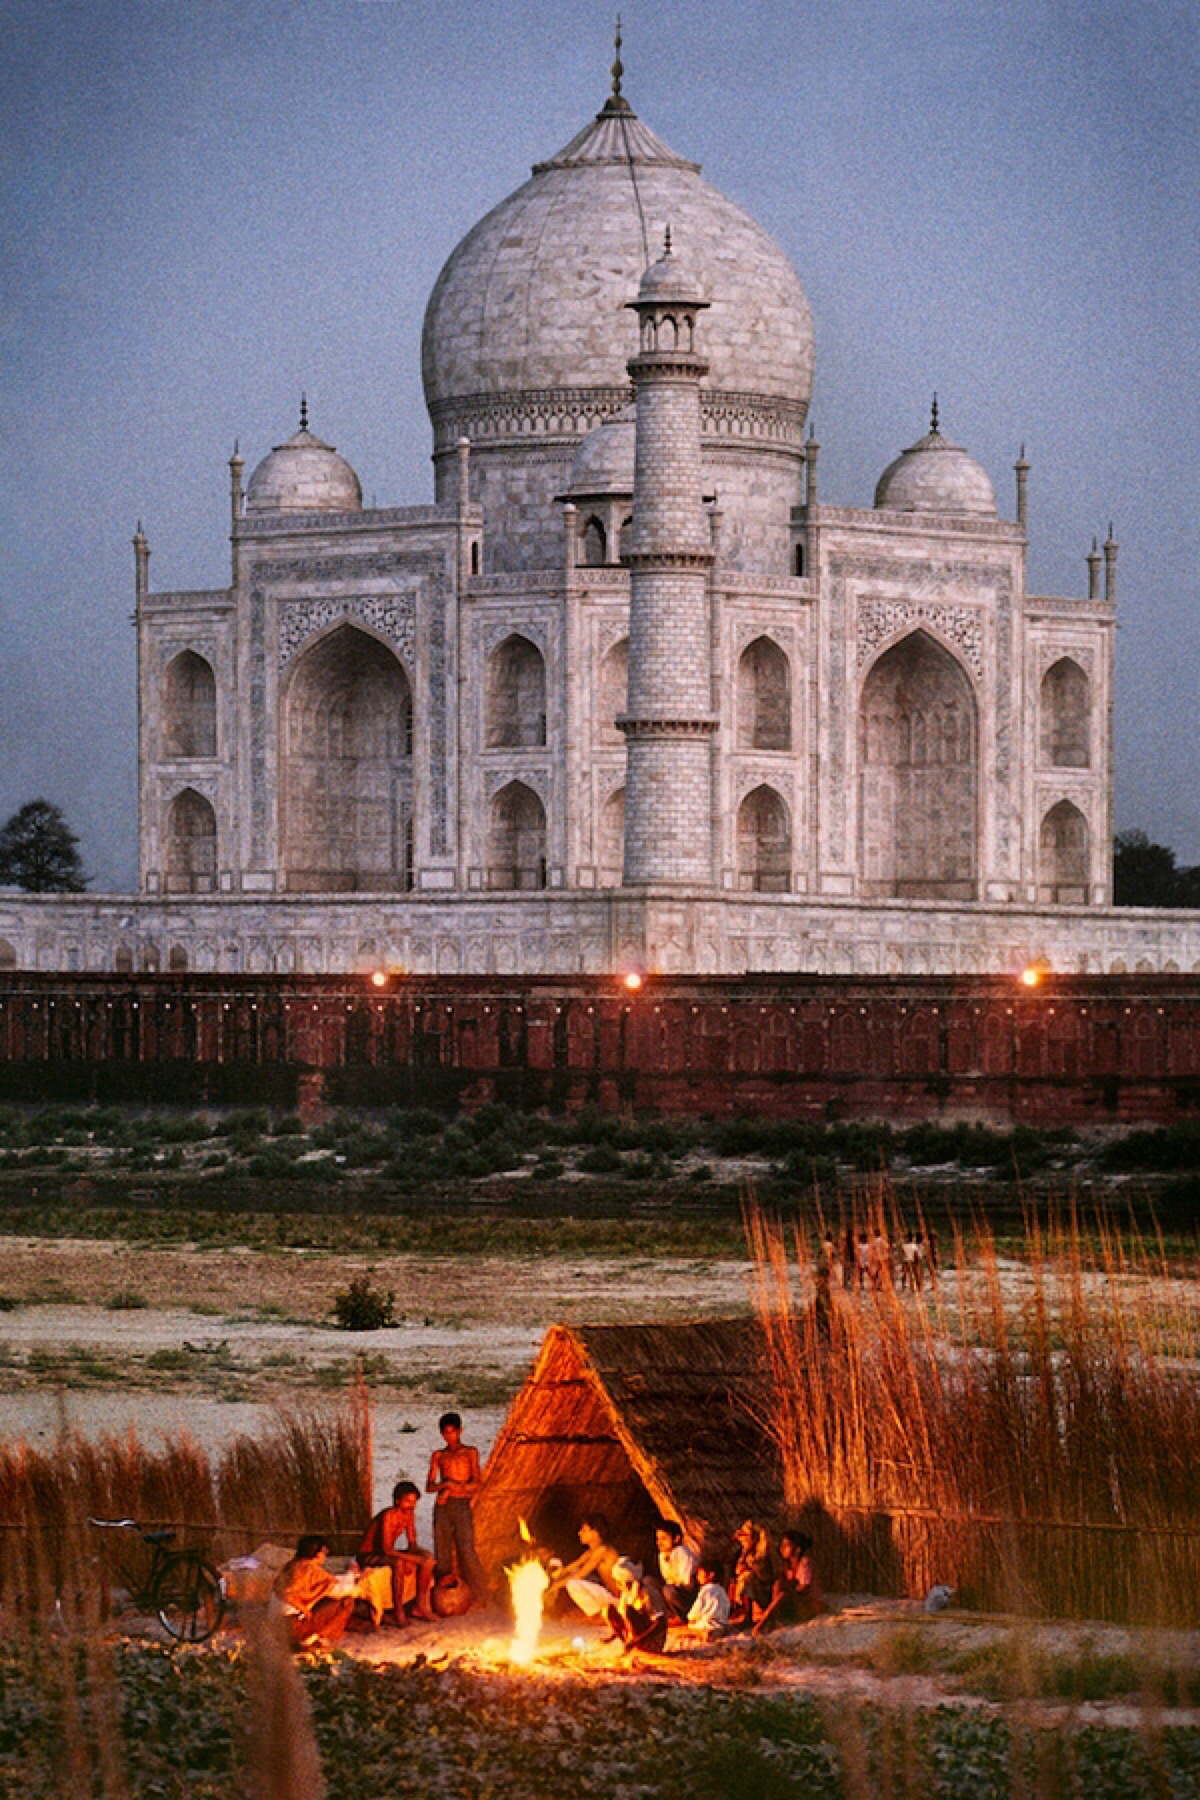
{"x":364,"y":1307}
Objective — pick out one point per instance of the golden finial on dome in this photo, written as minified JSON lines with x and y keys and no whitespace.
{"x":933,"y":417}
{"x":618,"y":68}
{"x":304,"y":412}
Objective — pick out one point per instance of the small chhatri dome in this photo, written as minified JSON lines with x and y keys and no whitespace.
{"x":935,"y":476}
{"x":671,"y":281}
{"x":604,"y":460}
{"x":302,"y":476}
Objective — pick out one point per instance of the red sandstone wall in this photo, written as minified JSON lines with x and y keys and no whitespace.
{"x":1076,"y":1049}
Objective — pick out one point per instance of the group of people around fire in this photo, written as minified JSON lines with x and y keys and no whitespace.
{"x":767,"y":1582}
{"x":319,"y":1605}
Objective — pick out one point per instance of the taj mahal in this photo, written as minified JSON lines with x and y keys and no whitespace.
{"x":630,"y":691}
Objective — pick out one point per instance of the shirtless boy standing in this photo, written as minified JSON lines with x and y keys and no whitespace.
{"x":454,"y":1479}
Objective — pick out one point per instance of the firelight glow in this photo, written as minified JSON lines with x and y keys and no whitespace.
{"x":633,"y":981}
{"x":1031,"y":976}
{"x":379,"y":979}
{"x":527,"y":1582}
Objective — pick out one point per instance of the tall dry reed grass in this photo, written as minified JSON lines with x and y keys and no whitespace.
{"x":309,"y":1469}
{"x":1027,"y":1432}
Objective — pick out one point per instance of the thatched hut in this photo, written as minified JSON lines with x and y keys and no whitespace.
{"x":636,"y":1421}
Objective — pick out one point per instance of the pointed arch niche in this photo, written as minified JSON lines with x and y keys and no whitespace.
{"x":1066,"y":716}
{"x":918,"y":775}
{"x":612,"y":693}
{"x":189,"y":708}
{"x":516,"y":840}
{"x":191,"y":845}
{"x":764,"y":842}
{"x":515,"y":696}
{"x":1064,"y":847}
{"x":347,"y":768}
{"x":610,"y":841}
{"x":764,"y":697}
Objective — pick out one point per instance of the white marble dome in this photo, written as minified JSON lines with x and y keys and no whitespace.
{"x":936,"y":476}
{"x":305,"y":475}
{"x":604,"y":460}
{"x":534,"y":298}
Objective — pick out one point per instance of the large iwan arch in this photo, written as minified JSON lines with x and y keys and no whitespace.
{"x":346,"y":751}
{"x":918,"y":775}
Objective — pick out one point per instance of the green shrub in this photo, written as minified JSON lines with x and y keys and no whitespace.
{"x":126,"y":1300}
{"x":364,"y":1307}
{"x":601,"y":1159}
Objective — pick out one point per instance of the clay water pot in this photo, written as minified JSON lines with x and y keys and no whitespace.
{"x":451,"y":1597}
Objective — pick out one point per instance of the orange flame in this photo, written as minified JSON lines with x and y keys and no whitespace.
{"x":526,"y":1534}
{"x":527,"y":1582}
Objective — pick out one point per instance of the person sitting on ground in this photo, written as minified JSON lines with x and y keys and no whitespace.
{"x":589,"y":1579}
{"x":314,"y":1609}
{"x":676,"y":1566}
{"x":754,"y":1573}
{"x":709,"y":1614}
{"x":797,"y":1596}
{"x":638,"y":1618}
{"x":390,"y":1541}
{"x":455,"y":1479}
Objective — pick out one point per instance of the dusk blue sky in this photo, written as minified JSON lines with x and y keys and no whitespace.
{"x":207,"y":207}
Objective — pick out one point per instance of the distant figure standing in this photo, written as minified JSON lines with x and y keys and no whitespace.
{"x":832,"y":1259}
{"x":454,"y":1480}
{"x":862,"y":1261}
{"x":913,"y":1260}
{"x":879,"y":1261}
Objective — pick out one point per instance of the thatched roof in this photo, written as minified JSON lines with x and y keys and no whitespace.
{"x":634,"y":1420}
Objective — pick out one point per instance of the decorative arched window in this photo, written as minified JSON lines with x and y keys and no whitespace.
{"x":610,"y":846}
{"x":798,"y":559}
{"x":474,"y":556}
{"x":595,"y":544}
{"x":515,"y":696}
{"x":123,"y":960}
{"x":191,"y":844}
{"x":177,"y":959}
{"x":918,"y":754}
{"x":612,"y":693}
{"x":764,"y":843}
{"x":516,"y":842}
{"x":625,"y":537}
{"x":764,"y":697}
{"x":8,"y":955}
{"x":1066,"y":716}
{"x":347,"y":767}
{"x":151,"y":959}
{"x":1063,"y":855}
{"x":189,"y":707}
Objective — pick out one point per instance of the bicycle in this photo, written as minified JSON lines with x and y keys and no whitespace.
{"x":180,"y":1586}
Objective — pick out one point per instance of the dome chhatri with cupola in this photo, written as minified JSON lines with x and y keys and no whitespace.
{"x":633,"y":689}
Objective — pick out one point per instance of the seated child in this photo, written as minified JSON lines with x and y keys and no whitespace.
{"x":639,"y":1616}
{"x":754,"y":1573}
{"x":390,"y":1541}
{"x":709,"y":1614}
{"x":796,"y":1597}
{"x":677,"y":1568}
{"x":313,"y":1606}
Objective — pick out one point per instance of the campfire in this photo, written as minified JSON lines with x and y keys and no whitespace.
{"x":527,"y":1583}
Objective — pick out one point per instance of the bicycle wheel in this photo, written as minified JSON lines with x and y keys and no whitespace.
{"x":189,"y":1598}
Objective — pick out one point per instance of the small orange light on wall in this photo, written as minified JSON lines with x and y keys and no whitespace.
{"x":1035,"y":973}
{"x":379,"y":979}
{"x":633,"y":981}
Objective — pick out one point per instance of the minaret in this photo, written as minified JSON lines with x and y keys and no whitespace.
{"x":670,"y":720}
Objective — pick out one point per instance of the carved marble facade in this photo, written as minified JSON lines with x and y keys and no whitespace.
{"x":392,"y":739}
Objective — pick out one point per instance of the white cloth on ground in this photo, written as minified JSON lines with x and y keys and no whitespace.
{"x":710,"y":1610}
{"x":591,"y":1597}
